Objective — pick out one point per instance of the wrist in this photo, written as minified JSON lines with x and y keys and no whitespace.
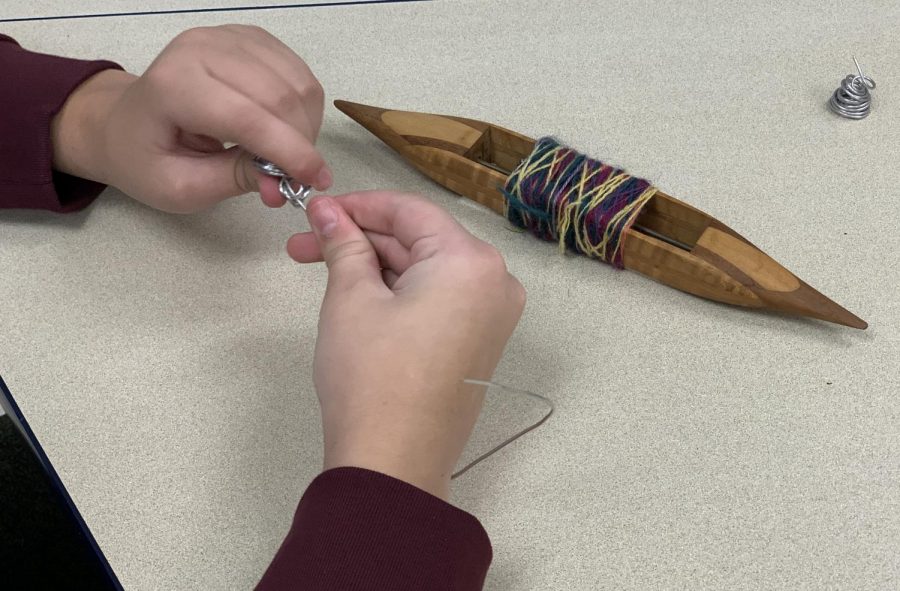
{"x":78,"y":130}
{"x":413,"y":464}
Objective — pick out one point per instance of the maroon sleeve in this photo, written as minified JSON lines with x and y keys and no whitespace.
{"x":362,"y":530}
{"x":33,"y":88}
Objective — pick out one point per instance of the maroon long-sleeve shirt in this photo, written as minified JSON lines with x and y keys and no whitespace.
{"x":354,"y":529}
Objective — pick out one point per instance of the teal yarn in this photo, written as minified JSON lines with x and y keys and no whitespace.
{"x":586,"y":206}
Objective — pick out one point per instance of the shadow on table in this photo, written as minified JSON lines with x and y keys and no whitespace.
{"x":36,"y":217}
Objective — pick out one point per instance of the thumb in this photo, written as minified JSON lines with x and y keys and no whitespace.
{"x":350,"y":257}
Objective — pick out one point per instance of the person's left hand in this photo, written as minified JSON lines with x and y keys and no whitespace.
{"x":161,"y":138}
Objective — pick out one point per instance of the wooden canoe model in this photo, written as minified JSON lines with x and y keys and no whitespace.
{"x":670,"y":241}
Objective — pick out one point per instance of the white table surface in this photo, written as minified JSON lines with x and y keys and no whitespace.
{"x":42,"y":9}
{"x":165,"y":361}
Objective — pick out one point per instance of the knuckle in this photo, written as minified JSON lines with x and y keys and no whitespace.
{"x":158,"y":75}
{"x":350,"y":249}
{"x":196,"y":36}
{"x":163,"y":74}
{"x":177,"y":192}
{"x":255,"y":29}
{"x":246,"y":121}
{"x":416,"y":198}
{"x":490,"y":260}
{"x":248,"y":35}
{"x":480,"y":269}
{"x":518,"y":295}
{"x":416,"y":217}
{"x":288,"y":101}
{"x":238,"y":28}
{"x":314,"y":92}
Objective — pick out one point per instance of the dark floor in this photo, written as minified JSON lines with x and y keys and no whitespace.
{"x":41,"y":546}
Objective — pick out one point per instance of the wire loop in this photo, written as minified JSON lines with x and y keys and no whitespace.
{"x":296,"y":198}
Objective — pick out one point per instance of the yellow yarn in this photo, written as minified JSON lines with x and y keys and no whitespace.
{"x":569,"y":196}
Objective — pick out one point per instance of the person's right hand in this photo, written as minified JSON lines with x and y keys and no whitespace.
{"x":414,"y":306}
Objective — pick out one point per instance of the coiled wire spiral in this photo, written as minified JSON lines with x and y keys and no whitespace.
{"x":853,"y":99}
{"x":296,"y":198}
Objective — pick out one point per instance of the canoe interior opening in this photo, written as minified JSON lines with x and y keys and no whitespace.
{"x":500,"y":149}
{"x":672,"y":221}
{"x":493,"y":166}
{"x":664,"y":238}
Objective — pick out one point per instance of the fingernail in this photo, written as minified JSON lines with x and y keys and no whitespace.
{"x":323,"y":217}
{"x":324,"y":180}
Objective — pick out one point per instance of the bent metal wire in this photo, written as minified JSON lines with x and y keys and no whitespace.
{"x":296,"y":198}
{"x":853,"y":98}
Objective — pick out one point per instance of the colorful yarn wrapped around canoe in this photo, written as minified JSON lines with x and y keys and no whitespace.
{"x":561,"y":195}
